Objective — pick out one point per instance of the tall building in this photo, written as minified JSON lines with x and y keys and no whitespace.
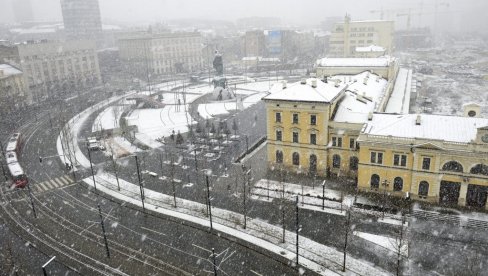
{"x":53,"y":68}
{"x":254,"y":44}
{"x":348,"y":35}
{"x":157,"y":54}
{"x":82,"y":19}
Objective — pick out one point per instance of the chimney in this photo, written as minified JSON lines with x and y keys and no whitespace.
{"x":418,"y":120}
{"x":284,"y":84}
{"x":370,"y":116}
{"x":314,"y":83}
{"x":303,"y":81}
{"x":325,"y":79}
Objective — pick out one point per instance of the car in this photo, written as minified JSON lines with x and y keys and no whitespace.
{"x":93,"y":144}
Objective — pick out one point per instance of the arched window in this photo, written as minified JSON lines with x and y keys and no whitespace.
{"x":296,"y":158}
{"x":397,"y":184}
{"x":353,"y":163}
{"x":313,"y":164}
{"x":423,"y":188}
{"x":336,"y":161}
{"x":375,"y":181}
{"x":479,"y":169}
{"x":452,"y":166}
{"x":279,"y":156}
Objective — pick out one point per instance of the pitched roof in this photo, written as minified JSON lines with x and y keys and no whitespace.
{"x":305,"y":92}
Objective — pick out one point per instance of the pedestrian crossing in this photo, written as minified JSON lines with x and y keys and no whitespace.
{"x":52,"y":183}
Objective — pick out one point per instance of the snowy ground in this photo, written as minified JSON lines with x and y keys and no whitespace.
{"x":319,"y":258}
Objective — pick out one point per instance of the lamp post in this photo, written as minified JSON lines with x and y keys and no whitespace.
{"x":140,"y":184}
{"x":385,"y":185}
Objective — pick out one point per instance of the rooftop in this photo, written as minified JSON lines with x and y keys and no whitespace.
{"x":363,"y":95}
{"x":431,"y":127}
{"x":383,"y":61}
{"x":371,"y":48}
{"x":9,"y":70}
{"x":305,"y":92}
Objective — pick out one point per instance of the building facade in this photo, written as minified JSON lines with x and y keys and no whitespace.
{"x":82,"y":19}
{"x":163,"y":53}
{"x":433,"y":158}
{"x":53,"y":68}
{"x":13,"y":92}
{"x":348,"y":35}
{"x":254,"y":44}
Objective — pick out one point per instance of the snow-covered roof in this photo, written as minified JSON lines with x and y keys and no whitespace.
{"x":364,"y":92}
{"x":305,"y":92}
{"x":399,"y":101}
{"x":9,"y":70}
{"x":370,"y":48}
{"x":431,"y":127}
{"x":383,"y":61}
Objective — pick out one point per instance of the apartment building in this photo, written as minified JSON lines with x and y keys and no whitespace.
{"x":348,"y":35}
{"x":162,"y":53}
{"x":54,"y":68}
{"x":12,"y":88}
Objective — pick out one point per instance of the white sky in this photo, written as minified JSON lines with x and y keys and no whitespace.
{"x":304,"y":12}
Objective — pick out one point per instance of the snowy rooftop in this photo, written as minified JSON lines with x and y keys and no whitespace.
{"x":371,"y":48}
{"x":355,"y":62}
{"x":432,"y":127}
{"x":363,"y":95}
{"x":399,"y":101}
{"x":9,"y":70}
{"x":305,"y":92}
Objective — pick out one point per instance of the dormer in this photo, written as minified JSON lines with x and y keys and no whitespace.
{"x":482,"y":135}
{"x":471,"y":110}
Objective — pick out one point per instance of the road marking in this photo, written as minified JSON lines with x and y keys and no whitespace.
{"x":43,"y":187}
{"x":59,"y":182}
{"x":70,"y":180}
{"x":150,"y":230}
{"x":62,"y":178}
{"x":54,"y":183}
{"x":256,"y":272}
{"x":48,"y":184}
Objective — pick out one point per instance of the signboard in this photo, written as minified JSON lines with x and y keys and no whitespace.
{"x":274,"y":42}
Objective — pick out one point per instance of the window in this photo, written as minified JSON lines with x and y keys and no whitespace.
{"x":313,"y":139}
{"x":279,"y":135}
{"x":376,"y":157}
{"x":352,"y":143}
{"x":336,"y":161}
{"x":423,"y":189}
{"x":313,"y":120}
{"x":295,"y":137}
{"x":295,"y":118}
{"x":278,"y":117}
{"x":398,"y":184}
{"x":375,"y":181}
{"x":353,"y":163}
{"x":296,"y":158}
{"x":452,"y":166}
{"x":400,"y":160}
{"x":337,"y":142}
{"x":279,"y":156}
{"x":426,"y":163}
{"x":479,"y":169}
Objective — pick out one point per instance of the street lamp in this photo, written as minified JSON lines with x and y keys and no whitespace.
{"x":385,"y":185}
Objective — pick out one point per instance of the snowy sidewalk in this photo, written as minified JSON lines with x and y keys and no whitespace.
{"x":313,"y":256}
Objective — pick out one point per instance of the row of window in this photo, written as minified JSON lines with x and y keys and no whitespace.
{"x":375,"y":183}
{"x":336,"y":160}
{"x":313,"y":118}
{"x":337,"y":142}
{"x":400,"y":160}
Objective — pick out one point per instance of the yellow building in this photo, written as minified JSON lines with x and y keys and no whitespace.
{"x":313,"y":125}
{"x":434,"y":158}
{"x":348,"y":35}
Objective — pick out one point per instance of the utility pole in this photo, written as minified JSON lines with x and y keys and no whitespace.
{"x":91,"y":167}
{"x":140,"y":184}
{"x":246,"y":180}
{"x":214,"y":262}
{"x":103,"y":231}
{"x":297,"y":227}
{"x":323,"y":195}
{"x":173,"y":180}
{"x":209,"y":204}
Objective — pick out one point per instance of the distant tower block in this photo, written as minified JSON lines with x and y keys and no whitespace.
{"x":471,"y":110}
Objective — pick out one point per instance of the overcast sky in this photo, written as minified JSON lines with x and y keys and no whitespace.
{"x":304,"y":12}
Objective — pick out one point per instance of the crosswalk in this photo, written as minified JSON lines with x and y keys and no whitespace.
{"x":52,"y":183}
